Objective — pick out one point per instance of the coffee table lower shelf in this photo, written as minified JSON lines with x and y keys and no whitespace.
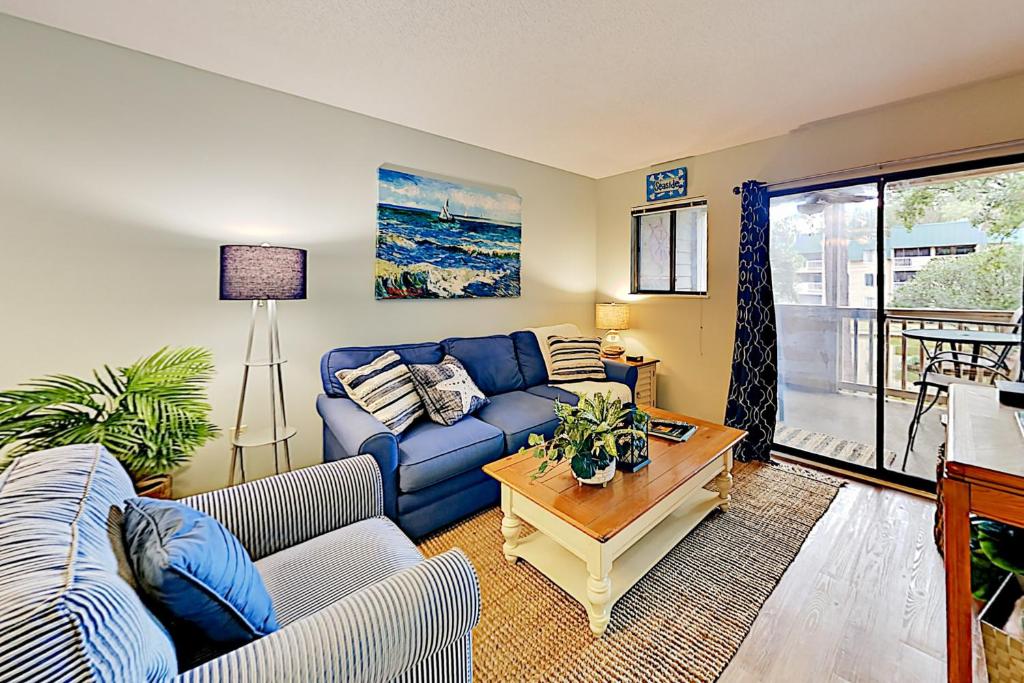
{"x":595,"y":573}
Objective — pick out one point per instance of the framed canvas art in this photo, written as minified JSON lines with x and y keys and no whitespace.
{"x":440,"y":239}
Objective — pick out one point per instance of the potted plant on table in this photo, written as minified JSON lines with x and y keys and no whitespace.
{"x":997,"y":577}
{"x":151,"y":415}
{"x":588,"y":435}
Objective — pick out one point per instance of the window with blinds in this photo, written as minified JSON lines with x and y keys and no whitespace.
{"x":670,"y":248}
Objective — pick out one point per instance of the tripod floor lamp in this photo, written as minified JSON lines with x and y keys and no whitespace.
{"x":264,"y":275}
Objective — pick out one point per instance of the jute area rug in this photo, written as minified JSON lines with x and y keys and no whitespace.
{"x":684,"y":621}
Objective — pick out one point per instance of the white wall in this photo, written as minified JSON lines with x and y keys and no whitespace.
{"x":694,"y":337}
{"x":120,"y":174}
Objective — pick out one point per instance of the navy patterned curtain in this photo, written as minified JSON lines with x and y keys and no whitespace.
{"x":753,"y":390}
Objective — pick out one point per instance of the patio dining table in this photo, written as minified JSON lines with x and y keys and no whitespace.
{"x":976,"y":339}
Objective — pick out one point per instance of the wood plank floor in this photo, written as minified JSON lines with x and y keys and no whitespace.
{"x":863,"y":601}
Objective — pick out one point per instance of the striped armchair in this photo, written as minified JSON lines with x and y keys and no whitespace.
{"x":355,"y":598}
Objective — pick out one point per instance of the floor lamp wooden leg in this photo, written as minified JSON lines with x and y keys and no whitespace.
{"x":271,"y":324}
{"x":234,"y":465}
{"x":236,"y":450}
{"x":275,"y":351}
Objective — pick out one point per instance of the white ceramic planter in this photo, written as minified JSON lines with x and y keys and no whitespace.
{"x":601,"y":477}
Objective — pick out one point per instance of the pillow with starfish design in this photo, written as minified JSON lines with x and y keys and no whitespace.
{"x":448,"y":392}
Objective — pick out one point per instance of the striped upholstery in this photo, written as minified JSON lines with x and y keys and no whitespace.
{"x":68,"y":609}
{"x":269,"y":515}
{"x":310,"y":576}
{"x":575,"y":358}
{"x":411,"y":626}
{"x":368,"y":607}
{"x":385,"y":389}
{"x":454,"y":663}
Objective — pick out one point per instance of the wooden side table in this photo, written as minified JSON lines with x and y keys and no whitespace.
{"x":646,"y":394}
{"x":983,"y":475}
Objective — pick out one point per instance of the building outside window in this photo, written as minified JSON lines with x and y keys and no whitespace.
{"x":670,"y":249}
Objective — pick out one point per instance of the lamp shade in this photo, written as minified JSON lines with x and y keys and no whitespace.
{"x":612,"y":317}
{"x":251,"y":272}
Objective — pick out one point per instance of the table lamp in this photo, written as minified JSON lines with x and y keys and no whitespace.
{"x":263,"y":275}
{"x":613,"y":318}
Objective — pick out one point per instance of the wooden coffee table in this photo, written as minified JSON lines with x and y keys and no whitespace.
{"x":595,"y":542}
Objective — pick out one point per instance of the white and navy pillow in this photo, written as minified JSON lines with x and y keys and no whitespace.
{"x":384,"y":388}
{"x":447,"y":390}
{"x":575,"y":358}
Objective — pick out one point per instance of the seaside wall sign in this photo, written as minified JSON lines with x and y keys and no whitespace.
{"x":666,"y":184}
{"x":441,"y":239}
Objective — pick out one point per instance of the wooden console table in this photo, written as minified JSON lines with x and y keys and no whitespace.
{"x":983,"y":475}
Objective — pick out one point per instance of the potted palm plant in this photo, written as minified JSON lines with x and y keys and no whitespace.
{"x":589,"y":435}
{"x":151,"y":415}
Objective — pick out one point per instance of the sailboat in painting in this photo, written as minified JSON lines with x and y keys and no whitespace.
{"x":446,"y":215}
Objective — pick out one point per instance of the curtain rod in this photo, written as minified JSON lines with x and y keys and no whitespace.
{"x":893,"y":162}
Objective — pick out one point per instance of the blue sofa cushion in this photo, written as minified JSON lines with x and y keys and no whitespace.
{"x":518,"y":414}
{"x":531,"y":360}
{"x":429,"y":453}
{"x":490,"y":361}
{"x":552,"y":393}
{"x":346,"y":358}
{"x":443,"y":490}
{"x":196,"y":573}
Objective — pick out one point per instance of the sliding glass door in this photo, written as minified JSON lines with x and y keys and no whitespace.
{"x":953,"y":260}
{"x":823,"y":255}
{"x":888,"y":290}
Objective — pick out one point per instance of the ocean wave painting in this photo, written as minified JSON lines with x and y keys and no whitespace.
{"x":438,"y":239}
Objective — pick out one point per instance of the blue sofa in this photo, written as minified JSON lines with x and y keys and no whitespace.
{"x":432,"y":473}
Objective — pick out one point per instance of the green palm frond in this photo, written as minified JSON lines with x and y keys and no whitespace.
{"x":152,"y":415}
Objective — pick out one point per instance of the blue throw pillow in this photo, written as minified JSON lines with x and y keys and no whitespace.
{"x":196,"y":574}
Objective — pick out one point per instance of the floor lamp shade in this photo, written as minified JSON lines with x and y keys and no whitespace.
{"x":262,"y":273}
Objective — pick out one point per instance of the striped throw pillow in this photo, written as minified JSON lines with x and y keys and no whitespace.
{"x":575,"y":358}
{"x":384,"y":388}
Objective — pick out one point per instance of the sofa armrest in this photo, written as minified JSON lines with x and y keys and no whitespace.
{"x":623,"y":373}
{"x":278,"y":512}
{"x":373,"y":635}
{"x":355,"y":432}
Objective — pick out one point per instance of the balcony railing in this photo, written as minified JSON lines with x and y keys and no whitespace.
{"x":827,"y":348}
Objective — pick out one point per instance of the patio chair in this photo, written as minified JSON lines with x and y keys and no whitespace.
{"x":981,"y":369}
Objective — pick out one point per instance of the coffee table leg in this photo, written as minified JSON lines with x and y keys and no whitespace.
{"x":599,"y":588}
{"x":510,"y":528}
{"x":599,"y":593}
{"x":723,"y":482}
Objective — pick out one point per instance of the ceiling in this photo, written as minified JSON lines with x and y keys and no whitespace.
{"x":597,"y":87}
